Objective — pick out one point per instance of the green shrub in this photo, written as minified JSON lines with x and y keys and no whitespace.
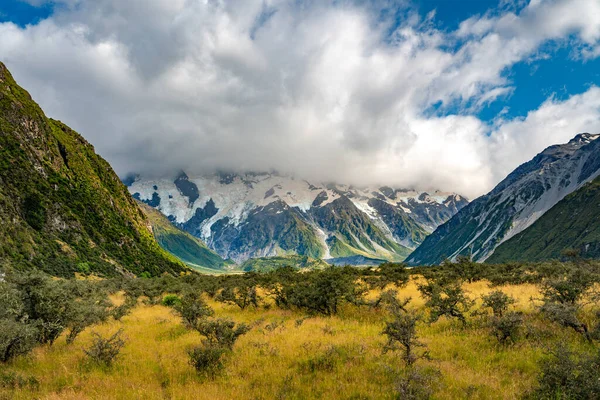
{"x":221,"y":332}
{"x":506,"y":327}
{"x":448,"y":299}
{"x":498,"y":302}
{"x":207,"y":359}
{"x":402,"y":335}
{"x":567,"y":375}
{"x":171,"y":300}
{"x":16,"y":339}
{"x":192,"y":309}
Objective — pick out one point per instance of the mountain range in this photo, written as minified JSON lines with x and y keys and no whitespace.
{"x":249,"y":215}
{"x":516,"y":203}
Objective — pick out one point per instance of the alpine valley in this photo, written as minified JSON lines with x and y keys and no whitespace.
{"x":250,"y":215}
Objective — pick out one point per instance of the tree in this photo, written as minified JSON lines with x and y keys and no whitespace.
{"x":449,"y":300}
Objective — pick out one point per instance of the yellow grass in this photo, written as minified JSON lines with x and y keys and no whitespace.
{"x":271,"y":363}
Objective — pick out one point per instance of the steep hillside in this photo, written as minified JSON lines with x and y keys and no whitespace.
{"x":573,"y":223}
{"x":515,"y":204}
{"x":242,"y":216}
{"x":182,"y":245}
{"x":62,"y":208}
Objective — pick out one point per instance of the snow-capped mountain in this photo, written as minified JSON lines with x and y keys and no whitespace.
{"x":515,"y":204}
{"x":249,"y":215}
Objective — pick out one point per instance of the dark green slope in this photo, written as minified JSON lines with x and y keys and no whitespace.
{"x":62,"y":207}
{"x":573,"y":223}
{"x":182,"y":245}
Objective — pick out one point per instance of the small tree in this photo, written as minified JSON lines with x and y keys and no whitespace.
{"x":243,"y":296}
{"x":16,"y":339}
{"x":82,"y":314}
{"x":207,"y":359}
{"x":192,"y":309}
{"x":402,"y":334}
{"x":389,"y":299}
{"x":221,"y":332}
{"x":449,"y":300}
{"x":506,"y":327}
{"x":105,"y":350}
{"x":565,"y":314}
{"x":498,"y":302}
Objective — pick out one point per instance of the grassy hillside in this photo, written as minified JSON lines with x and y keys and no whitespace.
{"x":271,"y":263}
{"x":62,"y":207}
{"x":182,"y":245}
{"x":573,"y":223}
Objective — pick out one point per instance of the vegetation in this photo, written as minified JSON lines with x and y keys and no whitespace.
{"x":386,"y":332}
{"x":63,"y":210}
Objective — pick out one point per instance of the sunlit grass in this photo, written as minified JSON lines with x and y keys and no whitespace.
{"x":274,"y":359}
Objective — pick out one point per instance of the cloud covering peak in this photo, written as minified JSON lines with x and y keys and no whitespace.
{"x":345,"y":91}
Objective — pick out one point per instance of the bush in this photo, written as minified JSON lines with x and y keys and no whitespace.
{"x":242,"y":296}
{"x":207,"y":359}
{"x":82,"y":314}
{"x":321,"y":291}
{"x":447,"y":300}
{"x":567,"y":375}
{"x":402,"y":331}
{"x":417,"y":383}
{"x":498,"y":302}
{"x":16,"y":339}
{"x":104,"y":351}
{"x":221,"y":332}
{"x":565,"y":314}
{"x":389,"y":300}
{"x":192,"y":309}
{"x":171,"y":300}
{"x":506,"y":327}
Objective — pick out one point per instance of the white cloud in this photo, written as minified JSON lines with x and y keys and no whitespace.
{"x":318,"y":88}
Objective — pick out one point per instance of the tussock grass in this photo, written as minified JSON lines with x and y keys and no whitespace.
{"x":336,"y":357}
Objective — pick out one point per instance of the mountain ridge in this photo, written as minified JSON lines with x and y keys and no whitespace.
{"x":515,"y":203}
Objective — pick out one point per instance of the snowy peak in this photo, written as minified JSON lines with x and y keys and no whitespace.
{"x":224,"y":209}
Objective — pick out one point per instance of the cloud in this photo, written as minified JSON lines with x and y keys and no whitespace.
{"x":328,"y":90}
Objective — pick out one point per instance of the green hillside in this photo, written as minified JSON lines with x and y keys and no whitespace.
{"x":62,"y":207}
{"x":182,"y":245}
{"x":573,"y":223}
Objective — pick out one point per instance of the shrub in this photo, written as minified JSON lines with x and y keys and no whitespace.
{"x":104,"y":351}
{"x":221,"y":332}
{"x":565,"y":314}
{"x":192,"y":309}
{"x":568,"y":289}
{"x":16,"y":339}
{"x":498,"y":302}
{"x":417,"y":383}
{"x":82,"y":314}
{"x":171,"y":300}
{"x":447,"y":300}
{"x":207,"y":359}
{"x":390,"y":273}
{"x":242,"y":296}
{"x":402,"y":332}
{"x":567,"y":375}
{"x":506,"y":327}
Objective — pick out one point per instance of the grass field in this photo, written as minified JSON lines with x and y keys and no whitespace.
{"x":289,"y":356}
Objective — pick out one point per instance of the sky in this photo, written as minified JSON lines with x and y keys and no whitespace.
{"x":429,"y":94}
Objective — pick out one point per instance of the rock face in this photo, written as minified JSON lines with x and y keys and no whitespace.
{"x":515,"y":204}
{"x":62,"y":207}
{"x":572,"y":224}
{"x":243,"y":216}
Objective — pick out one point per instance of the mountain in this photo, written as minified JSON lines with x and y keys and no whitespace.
{"x":182,"y":245}
{"x":62,"y":207}
{"x":515,"y":204}
{"x":250,"y":215}
{"x":573,"y":223}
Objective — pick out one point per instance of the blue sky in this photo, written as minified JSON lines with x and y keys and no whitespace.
{"x":453,"y":94}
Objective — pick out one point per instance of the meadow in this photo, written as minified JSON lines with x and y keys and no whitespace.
{"x":294,"y":354}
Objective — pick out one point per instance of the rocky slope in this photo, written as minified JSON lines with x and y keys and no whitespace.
{"x":243,"y":216}
{"x":515,"y":204}
{"x":572,"y":224}
{"x":62,"y":208}
{"x":187,"y":248}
